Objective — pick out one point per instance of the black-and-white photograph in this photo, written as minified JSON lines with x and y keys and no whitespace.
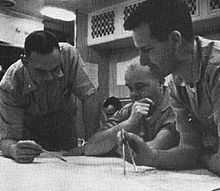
{"x":110,"y":95}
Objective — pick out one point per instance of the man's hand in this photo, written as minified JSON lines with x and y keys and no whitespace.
{"x":25,"y":151}
{"x":140,"y":108}
{"x":143,"y":155}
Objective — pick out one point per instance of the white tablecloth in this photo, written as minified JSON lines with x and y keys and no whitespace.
{"x":98,"y":174}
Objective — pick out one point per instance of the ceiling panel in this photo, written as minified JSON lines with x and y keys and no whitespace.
{"x":32,"y":7}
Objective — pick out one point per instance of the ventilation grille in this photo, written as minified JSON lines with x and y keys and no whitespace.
{"x":214,"y":5}
{"x":193,"y":7}
{"x":129,"y":9}
{"x":106,"y":25}
{"x":103,"y":24}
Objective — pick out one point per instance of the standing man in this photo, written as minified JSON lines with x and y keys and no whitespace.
{"x":149,"y":115}
{"x":36,"y":100}
{"x":163,"y":32}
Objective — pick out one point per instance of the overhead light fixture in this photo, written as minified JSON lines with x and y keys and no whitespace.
{"x":58,"y":13}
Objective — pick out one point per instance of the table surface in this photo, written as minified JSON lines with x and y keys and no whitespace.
{"x":98,"y":174}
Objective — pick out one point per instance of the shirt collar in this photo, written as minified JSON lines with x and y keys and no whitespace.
{"x":28,"y":82}
{"x":203,"y":49}
{"x":196,"y":64}
{"x":30,"y":86}
{"x":164,"y":104}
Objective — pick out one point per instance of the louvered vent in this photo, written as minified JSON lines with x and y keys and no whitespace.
{"x":103,"y":24}
{"x":214,"y":5}
{"x":193,"y":6}
{"x":129,"y":9}
{"x":106,"y":25}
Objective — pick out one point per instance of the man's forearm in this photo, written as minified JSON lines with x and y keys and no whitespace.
{"x":6,"y":146}
{"x":165,"y":139}
{"x":176,"y":158}
{"x":91,"y":114}
{"x":100,"y":143}
{"x":104,"y":141}
{"x":212,"y":162}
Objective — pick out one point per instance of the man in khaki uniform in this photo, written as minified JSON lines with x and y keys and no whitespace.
{"x":36,"y":100}
{"x":163,"y":32}
{"x":149,"y":115}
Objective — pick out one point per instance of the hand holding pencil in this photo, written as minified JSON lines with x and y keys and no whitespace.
{"x":24,"y":151}
{"x":135,"y":151}
{"x":125,"y":145}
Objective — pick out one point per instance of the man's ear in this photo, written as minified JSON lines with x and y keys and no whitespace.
{"x":175,"y":39}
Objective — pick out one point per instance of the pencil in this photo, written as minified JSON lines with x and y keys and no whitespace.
{"x":124,"y":162}
{"x":123,"y":150}
{"x":54,"y":155}
{"x":132,"y":157}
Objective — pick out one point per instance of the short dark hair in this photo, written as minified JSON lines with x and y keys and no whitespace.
{"x":163,"y":17}
{"x":113,"y":101}
{"x":42,"y":42}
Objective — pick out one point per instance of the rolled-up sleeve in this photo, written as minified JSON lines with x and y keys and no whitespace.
{"x":82,"y":85}
{"x":11,"y":113}
{"x":75,"y":74}
{"x":214,"y":90}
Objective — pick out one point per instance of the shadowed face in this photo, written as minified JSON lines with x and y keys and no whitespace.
{"x":142,"y":84}
{"x":44,"y":67}
{"x":109,"y":110}
{"x":158,"y":55}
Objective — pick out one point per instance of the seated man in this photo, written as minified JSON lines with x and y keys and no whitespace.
{"x":149,"y":115}
{"x":36,"y":103}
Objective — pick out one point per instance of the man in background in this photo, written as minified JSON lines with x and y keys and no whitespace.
{"x":163,"y":32}
{"x":36,"y":105}
{"x":149,"y":115}
{"x":110,"y":106}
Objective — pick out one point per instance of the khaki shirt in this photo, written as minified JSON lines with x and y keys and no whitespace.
{"x":39,"y":112}
{"x":163,"y":117}
{"x":197,"y":105}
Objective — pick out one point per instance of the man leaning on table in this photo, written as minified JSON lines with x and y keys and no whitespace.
{"x":36,"y":104}
{"x":163,"y":32}
{"x":149,"y":115}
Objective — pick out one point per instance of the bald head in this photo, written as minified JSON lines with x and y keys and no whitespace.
{"x":142,"y":82}
{"x":139,"y":72}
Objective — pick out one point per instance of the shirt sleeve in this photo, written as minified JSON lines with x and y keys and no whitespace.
{"x":185,"y":123}
{"x":82,"y":86}
{"x":213,"y":78}
{"x":168,"y":121}
{"x":11,"y":112}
